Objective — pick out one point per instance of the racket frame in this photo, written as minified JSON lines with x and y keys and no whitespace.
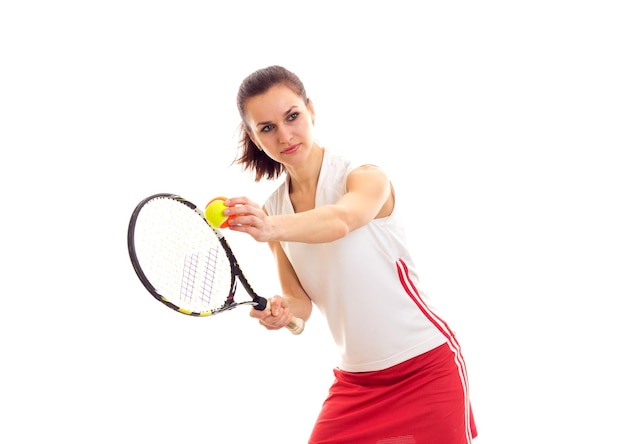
{"x":258,"y":302}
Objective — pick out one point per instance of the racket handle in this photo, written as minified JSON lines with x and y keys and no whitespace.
{"x":295,"y":326}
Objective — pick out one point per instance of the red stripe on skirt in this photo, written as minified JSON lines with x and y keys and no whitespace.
{"x":443,"y":327}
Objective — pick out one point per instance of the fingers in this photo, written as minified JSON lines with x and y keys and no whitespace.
{"x":242,"y":211}
{"x":246,"y":216}
{"x":242,"y":204}
{"x":275,"y":318}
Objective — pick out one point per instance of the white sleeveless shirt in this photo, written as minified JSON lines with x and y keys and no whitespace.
{"x":364,"y":284}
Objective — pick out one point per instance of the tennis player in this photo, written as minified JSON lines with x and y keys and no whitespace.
{"x":335,"y":229}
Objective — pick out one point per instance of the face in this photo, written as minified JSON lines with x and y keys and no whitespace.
{"x":281,"y":124}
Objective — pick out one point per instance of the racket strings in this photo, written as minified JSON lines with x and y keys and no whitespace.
{"x":189,"y":279}
{"x":211,"y":274}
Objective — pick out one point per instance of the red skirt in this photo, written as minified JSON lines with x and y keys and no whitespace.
{"x":421,"y":401}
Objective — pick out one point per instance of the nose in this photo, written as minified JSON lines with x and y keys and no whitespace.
{"x":284,"y":134}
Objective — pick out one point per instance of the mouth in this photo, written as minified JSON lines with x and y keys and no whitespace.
{"x":291,"y":149}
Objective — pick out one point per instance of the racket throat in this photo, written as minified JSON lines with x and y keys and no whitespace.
{"x":259,"y":303}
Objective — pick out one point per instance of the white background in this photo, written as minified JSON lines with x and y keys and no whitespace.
{"x":501,"y":123}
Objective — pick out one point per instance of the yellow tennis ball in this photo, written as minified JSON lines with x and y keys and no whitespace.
{"x":214,"y":212}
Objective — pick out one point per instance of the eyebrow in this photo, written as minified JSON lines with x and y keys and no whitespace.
{"x":286,"y":113}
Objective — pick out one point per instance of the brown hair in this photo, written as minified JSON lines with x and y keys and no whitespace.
{"x":259,"y":82}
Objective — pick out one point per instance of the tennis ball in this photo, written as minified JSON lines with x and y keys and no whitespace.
{"x":214,"y":213}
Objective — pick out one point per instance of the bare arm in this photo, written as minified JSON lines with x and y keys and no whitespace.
{"x":294,"y":300}
{"x":368,"y":196}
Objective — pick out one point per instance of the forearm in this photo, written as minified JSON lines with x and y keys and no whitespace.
{"x":323,"y":224}
{"x":296,"y":297}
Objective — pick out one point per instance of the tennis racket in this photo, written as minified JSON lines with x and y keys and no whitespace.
{"x":184,"y":262}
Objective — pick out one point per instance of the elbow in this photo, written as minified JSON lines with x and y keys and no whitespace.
{"x":343,"y":225}
{"x":339,"y":231}
{"x":342,"y":231}
{"x":329,"y":234}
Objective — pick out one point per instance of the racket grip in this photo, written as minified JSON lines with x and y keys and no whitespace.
{"x":295,"y":326}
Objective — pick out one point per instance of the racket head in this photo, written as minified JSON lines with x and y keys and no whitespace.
{"x":178,"y":256}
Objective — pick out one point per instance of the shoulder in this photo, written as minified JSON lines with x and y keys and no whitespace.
{"x":367,"y":172}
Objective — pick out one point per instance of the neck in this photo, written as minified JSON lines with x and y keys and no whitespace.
{"x":305,"y":178}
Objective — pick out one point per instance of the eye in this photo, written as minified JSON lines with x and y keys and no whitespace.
{"x":293,"y":116}
{"x":267,"y":128}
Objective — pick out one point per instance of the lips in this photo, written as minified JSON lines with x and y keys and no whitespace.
{"x":291,"y":149}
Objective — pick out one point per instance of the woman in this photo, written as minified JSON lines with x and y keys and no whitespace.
{"x":334,"y":230}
